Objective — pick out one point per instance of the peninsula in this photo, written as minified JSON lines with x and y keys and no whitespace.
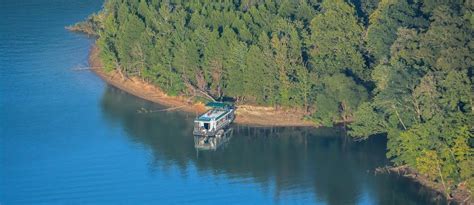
{"x":390,"y":67}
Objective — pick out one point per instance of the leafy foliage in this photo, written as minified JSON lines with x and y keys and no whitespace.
{"x":262,"y":52}
{"x":424,"y":98}
{"x":337,"y":37}
{"x":384,"y":22}
{"x":407,"y":72}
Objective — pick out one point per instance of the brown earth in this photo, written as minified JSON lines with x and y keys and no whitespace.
{"x":245,"y":114}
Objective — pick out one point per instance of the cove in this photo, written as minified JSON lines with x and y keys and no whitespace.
{"x":66,"y":137}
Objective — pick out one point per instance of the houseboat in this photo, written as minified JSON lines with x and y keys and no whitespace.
{"x":214,"y":121}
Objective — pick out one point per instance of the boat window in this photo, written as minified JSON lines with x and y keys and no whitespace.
{"x":206,"y":126}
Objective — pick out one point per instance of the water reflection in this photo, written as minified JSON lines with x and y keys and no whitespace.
{"x":322,"y":163}
{"x":212,"y":143}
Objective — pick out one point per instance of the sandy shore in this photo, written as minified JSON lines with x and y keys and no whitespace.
{"x":246,"y":114}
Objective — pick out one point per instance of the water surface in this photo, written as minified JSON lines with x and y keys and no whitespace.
{"x":68,"y":138}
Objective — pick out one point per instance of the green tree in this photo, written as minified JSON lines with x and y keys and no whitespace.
{"x":336,"y":35}
{"x":384,"y":22}
{"x":280,"y":49}
{"x":340,"y":98}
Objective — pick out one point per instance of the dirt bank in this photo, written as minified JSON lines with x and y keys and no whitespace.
{"x":246,"y":114}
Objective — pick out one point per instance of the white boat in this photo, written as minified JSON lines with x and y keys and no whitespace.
{"x":215,"y":120}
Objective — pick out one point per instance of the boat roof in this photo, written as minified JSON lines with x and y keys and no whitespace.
{"x":213,"y":114}
{"x":218,"y":104}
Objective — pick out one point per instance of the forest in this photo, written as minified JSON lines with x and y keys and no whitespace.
{"x":400,"y":68}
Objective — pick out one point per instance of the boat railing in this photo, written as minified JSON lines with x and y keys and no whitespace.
{"x":204,"y":132}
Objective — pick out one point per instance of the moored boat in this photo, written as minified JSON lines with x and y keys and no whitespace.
{"x":215,"y":120}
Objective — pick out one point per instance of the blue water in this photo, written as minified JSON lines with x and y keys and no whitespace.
{"x":68,"y":138}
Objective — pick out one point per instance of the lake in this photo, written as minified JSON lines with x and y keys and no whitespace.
{"x":66,"y":137}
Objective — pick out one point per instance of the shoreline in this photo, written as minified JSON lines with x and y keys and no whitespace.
{"x":257,"y":116}
{"x":459,"y":195}
{"x":245,"y":114}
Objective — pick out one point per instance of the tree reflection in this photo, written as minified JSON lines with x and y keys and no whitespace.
{"x":295,"y":160}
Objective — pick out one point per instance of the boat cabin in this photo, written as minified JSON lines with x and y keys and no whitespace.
{"x":217,"y":118}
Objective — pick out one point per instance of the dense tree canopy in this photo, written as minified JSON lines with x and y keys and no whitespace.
{"x":424,"y":99}
{"x":404,"y":68}
{"x":384,"y":22}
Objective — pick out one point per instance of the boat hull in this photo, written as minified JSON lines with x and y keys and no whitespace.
{"x":213,"y":142}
